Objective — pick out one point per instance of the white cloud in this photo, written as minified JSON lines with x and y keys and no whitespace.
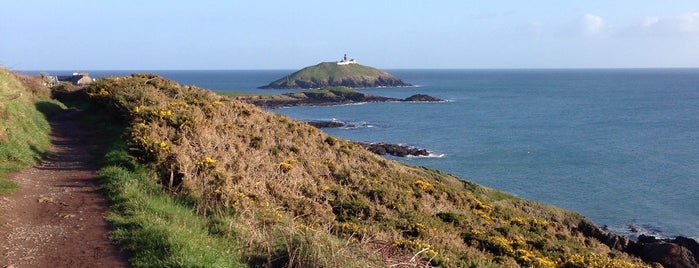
{"x":683,"y":25}
{"x":592,"y":25}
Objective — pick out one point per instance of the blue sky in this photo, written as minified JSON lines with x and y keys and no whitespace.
{"x":190,"y":35}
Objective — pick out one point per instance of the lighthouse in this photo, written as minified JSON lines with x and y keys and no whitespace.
{"x":344,"y":61}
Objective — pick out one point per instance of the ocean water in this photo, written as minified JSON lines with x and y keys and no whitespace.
{"x":620,"y":146}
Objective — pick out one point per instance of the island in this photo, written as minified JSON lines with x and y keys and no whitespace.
{"x":346,"y":73}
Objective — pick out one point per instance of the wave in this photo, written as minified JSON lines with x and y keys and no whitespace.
{"x":340,"y":124}
{"x":634,"y":230}
{"x":349,"y":104}
{"x":356,"y":125}
{"x":431,"y":155}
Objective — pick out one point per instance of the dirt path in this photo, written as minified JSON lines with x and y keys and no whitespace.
{"x":57,"y":218}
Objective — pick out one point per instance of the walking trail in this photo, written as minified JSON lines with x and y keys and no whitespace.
{"x":57,"y":217}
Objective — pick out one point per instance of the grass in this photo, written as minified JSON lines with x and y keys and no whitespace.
{"x":200,"y":180}
{"x":324,"y":72}
{"x":159,"y":230}
{"x":261,"y":189}
{"x":24,"y":129}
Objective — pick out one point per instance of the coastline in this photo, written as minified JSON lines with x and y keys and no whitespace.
{"x":248,"y":80}
{"x":331,"y":96}
{"x":643,"y":240}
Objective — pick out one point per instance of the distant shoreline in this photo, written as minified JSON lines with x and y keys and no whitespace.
{"x":330,"y":96}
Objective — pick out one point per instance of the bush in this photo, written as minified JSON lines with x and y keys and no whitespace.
{"x":284,"y":193}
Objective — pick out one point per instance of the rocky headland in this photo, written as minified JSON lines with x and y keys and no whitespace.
{"x":327,"y":97}
{"x":377,"y":148}
{"x":394,"y":149}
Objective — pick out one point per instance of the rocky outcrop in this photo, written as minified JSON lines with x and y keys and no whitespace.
{"x":394,"y":149}
{"x":668,"y":252}
{"x":679,"y":252}
{"x":327,"y":97}
{"x":327,"y":124}
{"x":328,"y":74}
{"x":377,"y":148}
{"x":422,"y":98}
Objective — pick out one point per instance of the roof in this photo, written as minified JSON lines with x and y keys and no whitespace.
{"x":76,"y":78}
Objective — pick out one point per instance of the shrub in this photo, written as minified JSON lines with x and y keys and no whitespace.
{"x":285,"y":192}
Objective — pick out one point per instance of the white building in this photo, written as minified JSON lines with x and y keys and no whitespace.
{"x":344,"y":61}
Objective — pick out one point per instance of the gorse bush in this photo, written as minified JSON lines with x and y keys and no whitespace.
{"x":287,"y":194}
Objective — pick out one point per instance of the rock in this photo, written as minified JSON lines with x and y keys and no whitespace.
{"x":422,"y":98}
{"x":327,"y":124}
{"x":669,"y":255}
{"x":679,"y":252}
{"x":394,"y":149}
{"x":691,"y":244}
{"x":325,"y":97}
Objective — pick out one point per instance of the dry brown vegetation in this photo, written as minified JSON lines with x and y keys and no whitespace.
{"x":288,"y":194}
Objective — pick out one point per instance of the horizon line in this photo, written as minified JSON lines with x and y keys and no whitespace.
{"x":396,"y":68}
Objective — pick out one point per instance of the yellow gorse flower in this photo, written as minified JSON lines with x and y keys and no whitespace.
{"x":208,"y":161}
{"x":423,"y":185}
{"x":165,"y":112}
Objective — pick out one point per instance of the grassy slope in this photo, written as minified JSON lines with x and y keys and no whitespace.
{"x":274,"y":191}
{"x":24,"y":131}
{"x":159,"y":229}
{"x":330,"y":70}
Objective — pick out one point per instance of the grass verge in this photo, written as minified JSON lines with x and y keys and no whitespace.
{"x":24,"y":128}
{"x":156,"y":228}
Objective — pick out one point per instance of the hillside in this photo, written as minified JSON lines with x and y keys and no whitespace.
{"x":284,"y":193}
{"x":24,"y":130}
{"x":328,"y":74}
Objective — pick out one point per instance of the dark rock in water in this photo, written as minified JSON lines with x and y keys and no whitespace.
{"x":325,"y":97}
{"x":327,"y":124}
{"x":633,"y":229}
{"x":677,"y":252}
{"x":394,"y":149}
{"x":423,"y":98}
{"x":647,"y":239}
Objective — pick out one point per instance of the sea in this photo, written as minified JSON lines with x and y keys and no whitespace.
{"x":619,"y":146}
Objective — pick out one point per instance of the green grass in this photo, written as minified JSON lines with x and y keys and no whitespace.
{"x":24,"y":129}
{"x":331,"y":69}
{"x":6,"y":186}
{"x":159,"y":230}
{"x":327,"y":70}
{"x":272,"y":191}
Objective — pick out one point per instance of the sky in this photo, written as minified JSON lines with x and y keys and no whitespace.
{"x":410,"y":34}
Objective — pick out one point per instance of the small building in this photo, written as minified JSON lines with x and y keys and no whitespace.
{"x":345,"y":61}
{"x":78,"y":79}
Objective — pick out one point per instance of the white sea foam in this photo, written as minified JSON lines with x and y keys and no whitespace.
{"x":358,"y":124}
{"x":350,"y":104}
{"x":634,"y":230}
{"x":431,"y":155}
